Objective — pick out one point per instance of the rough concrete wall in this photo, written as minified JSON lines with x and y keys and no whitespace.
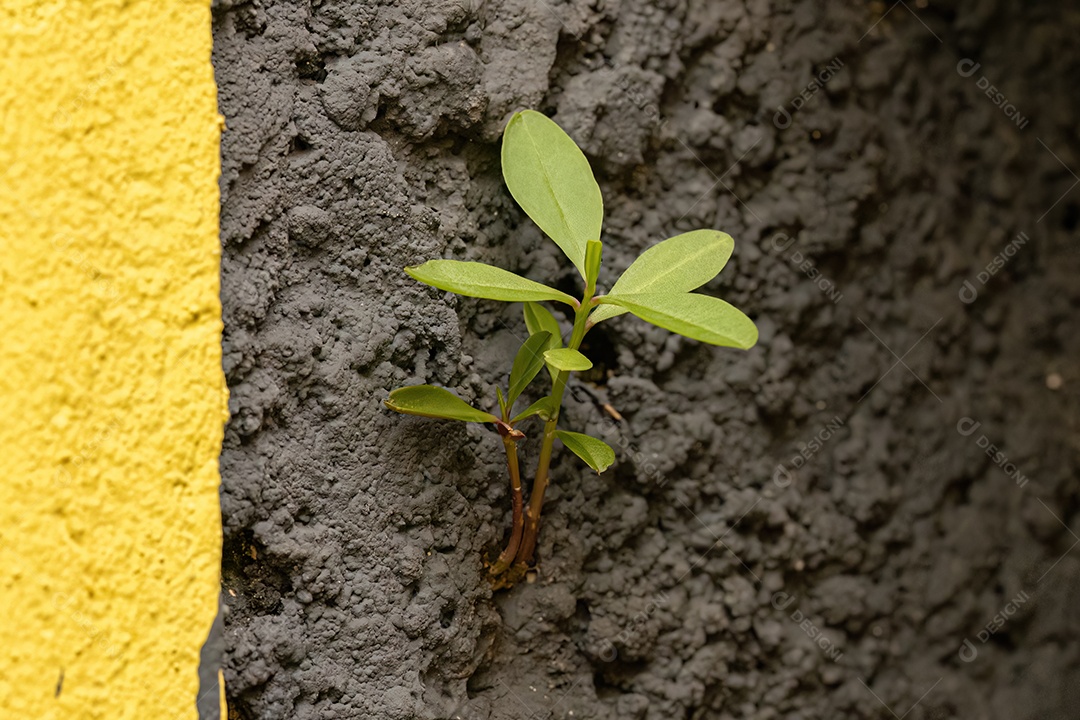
{"x":810,"y":530}
{"x":112,"y":400}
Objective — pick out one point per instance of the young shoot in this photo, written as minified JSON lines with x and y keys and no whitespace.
{"x":550,"y":178}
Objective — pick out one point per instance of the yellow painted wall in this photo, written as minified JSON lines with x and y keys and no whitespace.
{"x":111,"y":395}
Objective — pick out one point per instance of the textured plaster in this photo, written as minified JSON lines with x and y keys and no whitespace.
{"x":112,"y":399}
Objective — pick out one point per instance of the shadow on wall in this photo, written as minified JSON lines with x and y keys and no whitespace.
{"x":211,"y":661}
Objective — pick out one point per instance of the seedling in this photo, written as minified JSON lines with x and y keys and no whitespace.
{"x":551,"y":180}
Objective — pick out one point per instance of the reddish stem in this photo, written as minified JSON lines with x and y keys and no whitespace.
{"x":507,"y":557}
{"x":536,"y":501}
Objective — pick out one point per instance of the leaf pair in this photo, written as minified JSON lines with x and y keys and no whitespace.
{"x":656,"y":288}
{"x":527,"y":363}
{"x":436,"y":402}
{"x":551,"y":180}
{"x":676,"y":265}
{"x":539,"y":319}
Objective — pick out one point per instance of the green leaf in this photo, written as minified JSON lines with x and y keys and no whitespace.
{"x":676,"y":265}
{"x":551,"y":180}
{"x":699,"y":317}
{"x":502,"y":400}
{"x":596,"y":453}
{"x":541,"y":407}
{"x":538,"y":318}
{"x":593,"y":251}
{"x":527,"y":362}
{"x":435,"y":402}
{"x":567,"y":359}
{"x":483,"y":281}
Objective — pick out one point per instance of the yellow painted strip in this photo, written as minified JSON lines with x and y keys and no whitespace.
{"x":222,"y":703}
{"x":111,"y":395}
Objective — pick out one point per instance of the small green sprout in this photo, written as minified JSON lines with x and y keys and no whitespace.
{"x":551,"y":180}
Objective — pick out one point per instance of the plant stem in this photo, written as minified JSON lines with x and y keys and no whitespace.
{"x":536,"y":499}
{"x":508,"y":555}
